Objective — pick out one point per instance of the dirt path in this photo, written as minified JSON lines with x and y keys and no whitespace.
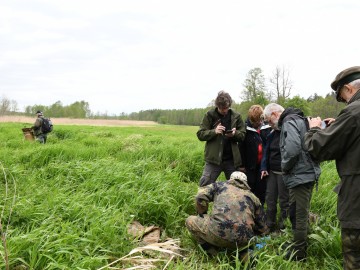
{"x":87,"y":122}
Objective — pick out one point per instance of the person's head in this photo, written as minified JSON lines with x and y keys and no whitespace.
{"x":223,"y":102}
{"x":272,"y":114}
{"x":39,"y":113}
{"x":256,"y":116}
{"x":346,"y":84}
{"x":240,"y":177}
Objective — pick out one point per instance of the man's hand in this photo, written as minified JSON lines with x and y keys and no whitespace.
{"x":314,"y":122}
{"x":219,"y":129}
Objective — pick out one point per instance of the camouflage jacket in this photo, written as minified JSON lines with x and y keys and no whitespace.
{"x":237,"y":214}
{"x":37,"y":126}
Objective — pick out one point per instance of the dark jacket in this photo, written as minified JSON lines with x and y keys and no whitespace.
{"x":249,"y":148}
{"x":296,"y":162}
{"x":341,"y":141}
{"x":271,"y":160}
{"x":215,"y":143}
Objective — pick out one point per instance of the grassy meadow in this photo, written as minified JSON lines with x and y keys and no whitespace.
{"x":67,"y":204}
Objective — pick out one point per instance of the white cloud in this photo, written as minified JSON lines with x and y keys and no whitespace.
{"x":127,"y":56}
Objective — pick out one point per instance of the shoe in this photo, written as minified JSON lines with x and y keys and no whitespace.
{"x":295,"y":255}
{"x":209,"y":249}
{"x":281,"y":225}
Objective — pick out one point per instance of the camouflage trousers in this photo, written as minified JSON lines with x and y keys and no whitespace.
{"x":351,"y":248}
{"x":199,"y":227}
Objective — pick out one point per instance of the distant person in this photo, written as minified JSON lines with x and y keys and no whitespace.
{"x":300,"y":173}
{"x":38,"y":130}
{"x":251,"y":150}
{"x":236,"y":215}
{"x":271,"y":172}
{"x":340,"y":141}
{"x":222,"y":128}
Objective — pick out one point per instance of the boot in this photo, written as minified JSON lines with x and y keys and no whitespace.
{"x":297,"y":252}
{"x":281,"y":224}
{"x":209,"y":249}
{"x":271,"y":220}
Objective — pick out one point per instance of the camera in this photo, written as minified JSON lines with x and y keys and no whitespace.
{"x":228,"y":131}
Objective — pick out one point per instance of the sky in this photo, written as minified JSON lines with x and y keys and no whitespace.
{"x":124,"y":56}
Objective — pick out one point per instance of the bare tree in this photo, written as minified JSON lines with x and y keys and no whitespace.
{"x":281,"y":84}
{"x":4,"y":105}
{"x":14,"y":106}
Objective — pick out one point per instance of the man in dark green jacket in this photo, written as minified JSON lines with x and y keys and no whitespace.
{"x":222,"y":129}
{"x":341,"y":141}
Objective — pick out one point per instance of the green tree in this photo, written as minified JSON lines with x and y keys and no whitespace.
{"x":254,"y":86}
{"x":300,"y":103}
{"x":326,"y":107}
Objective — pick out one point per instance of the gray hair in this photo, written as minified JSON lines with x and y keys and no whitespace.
{"x":355,"y":84}
{"x":272,"y":107}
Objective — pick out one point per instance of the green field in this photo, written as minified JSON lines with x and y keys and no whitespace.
{"x":67,"y":204}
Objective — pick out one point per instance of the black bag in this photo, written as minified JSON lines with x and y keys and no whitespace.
{"x":46,"y":126}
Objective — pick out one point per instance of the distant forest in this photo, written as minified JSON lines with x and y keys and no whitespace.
{"x":313,"y":106}
{"x":255,"y":91}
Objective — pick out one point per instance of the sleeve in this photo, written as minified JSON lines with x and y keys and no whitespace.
{"x":291,"y":145}
{"x":203,"y":197}
{"x":263,"y":164}
{"x":333,"y":141}
{"x":260,"y":220}
{"x":206,"y":131}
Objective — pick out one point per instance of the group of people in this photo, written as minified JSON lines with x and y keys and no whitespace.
{"x":274,"y":156}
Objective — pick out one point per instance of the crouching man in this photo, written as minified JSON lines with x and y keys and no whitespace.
{"x":236,"y":215}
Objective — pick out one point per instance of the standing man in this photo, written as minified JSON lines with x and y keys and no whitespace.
{"x":299,"y":174}
{"x":341,"y":141}
{"x":37,"y":127}
{"x":271,"y":171}
{"x":222,"y":129}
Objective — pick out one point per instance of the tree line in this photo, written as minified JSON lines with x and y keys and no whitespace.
{"x":255,"y":91}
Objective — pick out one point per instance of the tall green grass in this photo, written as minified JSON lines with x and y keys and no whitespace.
{"x":76,"y":195}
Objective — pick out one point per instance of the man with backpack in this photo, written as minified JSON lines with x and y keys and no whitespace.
{"x":41,"y":127}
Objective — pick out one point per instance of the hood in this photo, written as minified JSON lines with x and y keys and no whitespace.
{"x":289,"y":111}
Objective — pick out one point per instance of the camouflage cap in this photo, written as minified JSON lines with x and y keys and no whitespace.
{"x":344,"y":77}
{"x":238,"y":176}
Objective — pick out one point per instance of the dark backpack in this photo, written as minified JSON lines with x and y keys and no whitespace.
{"x":46,"y":126}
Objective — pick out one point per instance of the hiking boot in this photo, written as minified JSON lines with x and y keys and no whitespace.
{"x":210,"y":249}
{"x":295,"y":255}
{"x":281,"y":225}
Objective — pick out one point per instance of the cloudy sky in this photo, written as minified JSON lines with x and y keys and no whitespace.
{"x":132,"y":55}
